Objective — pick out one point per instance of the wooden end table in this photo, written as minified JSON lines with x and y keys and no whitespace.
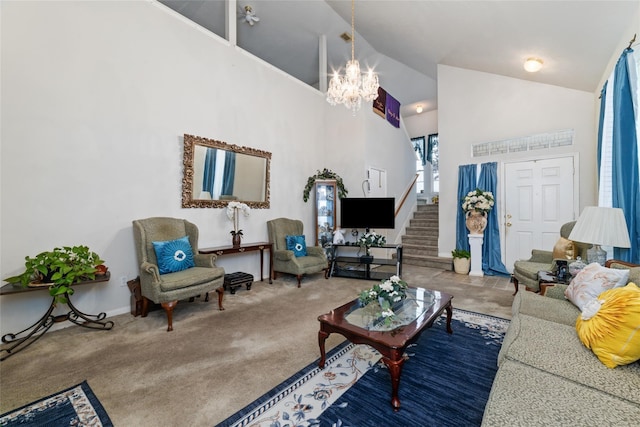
{"x":245,"y":247}
{"x":416,"y":313}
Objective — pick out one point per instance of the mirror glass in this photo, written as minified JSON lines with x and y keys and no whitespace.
{"x":216,"y":173}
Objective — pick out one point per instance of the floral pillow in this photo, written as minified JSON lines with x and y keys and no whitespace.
{"x":297,"y":244}
{"x":174,"y":255}
{"x":591,"y":281}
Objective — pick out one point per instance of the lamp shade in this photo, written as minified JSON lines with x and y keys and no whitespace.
{"x":601,"y":226}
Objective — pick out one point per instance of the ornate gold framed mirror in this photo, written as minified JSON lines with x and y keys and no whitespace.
{"x":216,"y":173}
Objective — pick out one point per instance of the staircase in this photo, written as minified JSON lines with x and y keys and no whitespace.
{"x":420,"y":243}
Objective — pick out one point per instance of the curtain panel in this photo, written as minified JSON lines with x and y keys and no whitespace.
{"x":618,"y":171}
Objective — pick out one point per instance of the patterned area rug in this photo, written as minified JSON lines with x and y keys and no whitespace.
{"x":75,"y":406}
{"x":445,"y":381}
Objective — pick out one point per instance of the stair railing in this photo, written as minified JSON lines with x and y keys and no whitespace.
{"x":406,"y":193}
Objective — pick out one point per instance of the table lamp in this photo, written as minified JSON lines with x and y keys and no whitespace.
{"x":601,"y":226}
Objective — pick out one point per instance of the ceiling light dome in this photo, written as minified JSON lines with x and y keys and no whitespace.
{"x":533,"y":65}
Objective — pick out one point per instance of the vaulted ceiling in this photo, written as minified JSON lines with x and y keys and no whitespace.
{"x":405,"y":40}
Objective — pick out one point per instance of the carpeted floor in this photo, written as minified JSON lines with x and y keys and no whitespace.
{"x":354,"y":387}
{"x":214,"y":362}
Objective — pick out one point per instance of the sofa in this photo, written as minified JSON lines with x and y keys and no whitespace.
{"x":525,"y":272}
{"x":546,"y":376}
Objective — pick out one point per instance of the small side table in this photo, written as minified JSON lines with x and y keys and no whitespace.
{"x":547,"y":279}
{"x":21,"y":340}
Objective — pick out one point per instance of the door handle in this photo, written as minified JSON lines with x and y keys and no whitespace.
{"x":508,"y":224}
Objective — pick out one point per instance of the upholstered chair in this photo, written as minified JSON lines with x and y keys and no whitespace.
{"x":284,"y":258}
{"x":526,"y":271}
{"x":181,"y":272}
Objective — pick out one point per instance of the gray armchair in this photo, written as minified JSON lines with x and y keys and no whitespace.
{"x":168,"y":288}
{"x":526,"y":271}
{"x":284,"y":260}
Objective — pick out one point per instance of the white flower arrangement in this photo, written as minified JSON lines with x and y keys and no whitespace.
{"x":478,"y":200}
{"x":232,"y":214}
{"x":371,"y":239}
{"x":233,"y":207}
{"x":386,"y":294}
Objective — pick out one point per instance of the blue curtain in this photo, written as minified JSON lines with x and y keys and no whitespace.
{"x":625,"y":186}
{"x":431,"y":146}
{"x":209,"y":170}
{"x":491,"y":256}
{"x":603,"y":104}
{"x":229,"y":173}
{"x":418,"y":145}
{"x":466,"y":183}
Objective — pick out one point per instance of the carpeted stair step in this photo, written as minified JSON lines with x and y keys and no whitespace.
{"x":428,"y":261}
{"x":422,"y":231}
{"x":424,"y":223}
{"x":420,"y":250}
{"x":420,"y":242}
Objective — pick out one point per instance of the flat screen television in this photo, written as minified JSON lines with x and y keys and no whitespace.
{"x":368,"y":212}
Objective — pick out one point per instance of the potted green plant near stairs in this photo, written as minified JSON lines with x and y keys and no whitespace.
{"x":461,"y":261}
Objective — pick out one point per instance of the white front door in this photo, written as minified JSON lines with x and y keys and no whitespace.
{"x":539,"y":199}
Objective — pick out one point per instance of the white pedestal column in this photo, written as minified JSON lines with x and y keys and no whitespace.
{"x":475,"y":242}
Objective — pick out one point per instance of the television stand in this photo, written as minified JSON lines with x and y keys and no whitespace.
{"x":347,"y":263}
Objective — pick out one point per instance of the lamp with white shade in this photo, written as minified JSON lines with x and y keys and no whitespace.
{"x":601,"y":226}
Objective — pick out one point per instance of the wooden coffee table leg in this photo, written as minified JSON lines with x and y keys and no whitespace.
{"x":395,"y":369}
{"x":322,"y":336}
{"x":449,"y":314}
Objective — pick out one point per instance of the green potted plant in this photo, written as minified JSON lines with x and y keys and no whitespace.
{"x":324,"y":174}
{"x":59,"y":269}
{"x":461,"y":261}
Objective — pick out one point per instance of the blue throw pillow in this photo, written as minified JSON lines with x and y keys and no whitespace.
{"x":174,"y":255}
{"x":297,"y":245}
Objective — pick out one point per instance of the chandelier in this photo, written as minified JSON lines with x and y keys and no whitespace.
{"x":351,"y":88}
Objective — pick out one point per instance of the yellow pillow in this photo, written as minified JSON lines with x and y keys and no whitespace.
{"x":564,"y":249}
{"x":613,"y":333}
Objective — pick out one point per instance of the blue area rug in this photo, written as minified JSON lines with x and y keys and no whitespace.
{"x":75,"y":406}
{"x":445,"y":382}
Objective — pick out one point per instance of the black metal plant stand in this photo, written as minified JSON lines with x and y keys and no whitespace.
{"x":17,"y":342}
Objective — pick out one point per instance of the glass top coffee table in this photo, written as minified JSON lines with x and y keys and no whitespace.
{"x":362,"y":325}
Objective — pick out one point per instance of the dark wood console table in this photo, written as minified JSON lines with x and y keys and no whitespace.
{"x":245,"y":247}
{"x":21,"y":340}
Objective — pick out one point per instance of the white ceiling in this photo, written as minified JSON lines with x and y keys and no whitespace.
{"x":405,"y":40}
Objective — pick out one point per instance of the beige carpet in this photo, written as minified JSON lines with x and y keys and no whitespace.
{"x":214,"y":362}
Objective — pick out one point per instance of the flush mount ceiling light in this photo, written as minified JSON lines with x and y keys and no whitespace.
{"x":533,"y":65}
{"x":419,"y":109}
{"x":351,"y":88}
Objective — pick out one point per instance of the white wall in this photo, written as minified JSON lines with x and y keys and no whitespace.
{"x":96,"y":98}
{"x":423,"y":124}
{"x":476,"y":107}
